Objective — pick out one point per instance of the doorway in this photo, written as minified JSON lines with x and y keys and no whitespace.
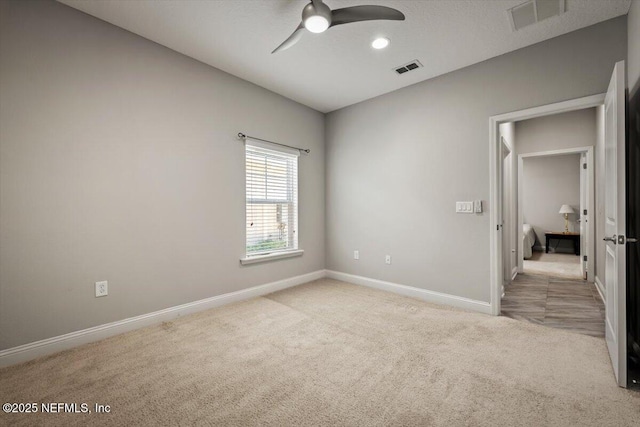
{"x":555,"y":191}
{"x":556,"y":220}
{"x":614,"y":213}
{"x":497,"y":271}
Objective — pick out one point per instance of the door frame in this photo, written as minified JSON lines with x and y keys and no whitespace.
{"x":591,"y":205}
{"x":509,"y":221}
{"x":495,"y":173}
{"x":585,"y":196}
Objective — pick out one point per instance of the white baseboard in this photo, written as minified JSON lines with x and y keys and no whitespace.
{"x":32,"y":350}
{"x":600,"y":288}
{"x":409,"y":291}
{"x":47,"y":346}
{"x":514,"y":273}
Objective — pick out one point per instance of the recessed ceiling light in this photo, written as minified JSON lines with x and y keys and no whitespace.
{"x":380,"y":43}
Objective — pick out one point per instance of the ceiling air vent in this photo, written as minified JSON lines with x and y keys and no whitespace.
{"x":408,"y":67}
{"x":534,"y":11}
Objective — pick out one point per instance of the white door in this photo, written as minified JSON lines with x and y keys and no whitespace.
{"x":582,"y":217}
{"x":615,"y":215}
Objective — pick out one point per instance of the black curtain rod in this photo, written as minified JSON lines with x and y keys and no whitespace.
{"x":243,"y":136}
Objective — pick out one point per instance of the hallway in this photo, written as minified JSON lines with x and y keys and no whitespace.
{"x":573,"y":305}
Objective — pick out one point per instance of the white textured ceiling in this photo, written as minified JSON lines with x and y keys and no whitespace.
{"x":339,"y":68}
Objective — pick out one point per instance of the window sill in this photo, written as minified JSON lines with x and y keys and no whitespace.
{"x":270,"y":257}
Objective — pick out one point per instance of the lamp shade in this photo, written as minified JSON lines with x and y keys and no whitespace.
{"x":566,"y":209}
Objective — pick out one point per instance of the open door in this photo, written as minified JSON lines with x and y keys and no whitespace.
{"x":615,"y":218}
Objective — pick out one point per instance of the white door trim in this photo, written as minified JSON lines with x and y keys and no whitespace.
{"x":495,"y":202}
{"x":590,"y":204}
{"x":507,"y":220}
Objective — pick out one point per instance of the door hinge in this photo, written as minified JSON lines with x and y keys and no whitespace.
{"x":585,"y":258}
{"x":584,"y":165}
{"x":584,"y":212}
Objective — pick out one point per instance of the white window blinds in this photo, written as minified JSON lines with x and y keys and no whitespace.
{"x":272,"y":199}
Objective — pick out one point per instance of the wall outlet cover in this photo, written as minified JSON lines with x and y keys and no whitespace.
{"x":102,"y":289}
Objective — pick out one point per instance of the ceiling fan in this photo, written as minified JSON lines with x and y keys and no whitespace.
{"x":317,"y":18}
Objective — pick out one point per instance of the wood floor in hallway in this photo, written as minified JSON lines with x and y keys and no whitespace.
{"x":573,"y":305}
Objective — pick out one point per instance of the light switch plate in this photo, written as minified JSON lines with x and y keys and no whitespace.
{"x":464,"y":207}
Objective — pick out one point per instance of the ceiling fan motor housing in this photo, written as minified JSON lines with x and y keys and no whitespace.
{"x":320,"y":10}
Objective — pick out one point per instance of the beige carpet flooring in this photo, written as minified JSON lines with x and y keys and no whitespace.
{"x":554,"y":264}
{"x":330,"y":353}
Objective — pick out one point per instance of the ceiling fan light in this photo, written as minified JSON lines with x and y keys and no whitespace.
{"x":380,"y":43}
{"x":316,"y":24}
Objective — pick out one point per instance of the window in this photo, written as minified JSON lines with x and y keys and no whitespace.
{"x":272,"y":200}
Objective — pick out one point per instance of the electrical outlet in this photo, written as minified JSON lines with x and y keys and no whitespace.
{"x":356,"y":254}
{"x":102,"y":289}
{"x":387,"y":259}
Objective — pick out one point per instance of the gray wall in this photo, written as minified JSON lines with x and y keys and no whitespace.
{"x":548,"y":183}
{"x":558,"y":131}
{"x":118,"y":162}
{"x":396,"y":164}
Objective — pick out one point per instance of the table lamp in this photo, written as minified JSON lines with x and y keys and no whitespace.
{"x":566,"y":210}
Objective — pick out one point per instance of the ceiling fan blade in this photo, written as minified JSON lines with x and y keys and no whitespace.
{"x":347,"y":15}
{"x":293,"y":39}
